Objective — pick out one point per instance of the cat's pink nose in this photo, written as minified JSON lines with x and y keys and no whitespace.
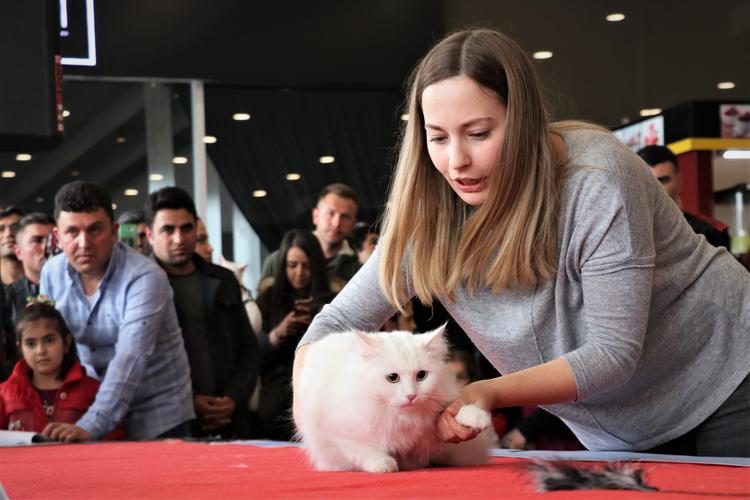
{"x":411,"y":397}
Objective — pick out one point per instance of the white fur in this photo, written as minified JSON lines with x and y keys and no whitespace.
{"x":251,"y":308}
{"x":350,"y":417}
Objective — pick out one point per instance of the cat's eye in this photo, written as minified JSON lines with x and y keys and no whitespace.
{"x":392,"y":378}
{"x":421,"y":375}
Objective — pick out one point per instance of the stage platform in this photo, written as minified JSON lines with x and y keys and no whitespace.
{"x":186,"y":470}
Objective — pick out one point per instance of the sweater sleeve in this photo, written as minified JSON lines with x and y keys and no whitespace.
{"x":359,"y":306}
{"x":611,"y":252}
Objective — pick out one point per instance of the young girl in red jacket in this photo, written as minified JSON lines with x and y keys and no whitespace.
{"x":48,"y":384}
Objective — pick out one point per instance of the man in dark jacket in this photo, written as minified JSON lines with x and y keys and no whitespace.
{"x":220,"y":343}
{"x":663,"y":163}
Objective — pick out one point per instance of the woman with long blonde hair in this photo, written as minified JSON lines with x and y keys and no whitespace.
{"x":558,"y":253}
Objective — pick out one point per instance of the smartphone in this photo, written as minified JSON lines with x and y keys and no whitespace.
{"x":128,"y":234}
{"x":302,"y":306}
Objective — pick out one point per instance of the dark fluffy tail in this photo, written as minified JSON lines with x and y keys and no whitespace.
{"x":551,"y":476}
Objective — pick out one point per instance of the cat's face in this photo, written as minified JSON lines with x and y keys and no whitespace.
{"x":406,"y":371}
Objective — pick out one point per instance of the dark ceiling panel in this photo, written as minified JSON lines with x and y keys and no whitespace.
{"x":329,"y":43}
{"x":288,"y":132}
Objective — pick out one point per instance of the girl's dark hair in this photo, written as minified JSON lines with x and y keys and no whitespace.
{"x":308,"y":243}
{"x":41,"y":311}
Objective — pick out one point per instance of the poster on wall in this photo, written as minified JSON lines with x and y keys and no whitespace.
{"x":735,"y":120}
{"x":646,"y":133}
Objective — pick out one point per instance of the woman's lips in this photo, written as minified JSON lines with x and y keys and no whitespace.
{"x":469,"y":185}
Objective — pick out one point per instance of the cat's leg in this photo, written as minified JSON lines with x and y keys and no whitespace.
{"x":368,"y":458}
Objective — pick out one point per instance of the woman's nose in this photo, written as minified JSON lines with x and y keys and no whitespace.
{"x":458,"y":156}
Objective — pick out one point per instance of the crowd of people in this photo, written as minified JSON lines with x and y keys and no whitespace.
{"x":108,"y":334}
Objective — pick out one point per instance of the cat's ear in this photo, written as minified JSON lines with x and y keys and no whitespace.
{"x":367,"y":344}
{"x":435,"y":340}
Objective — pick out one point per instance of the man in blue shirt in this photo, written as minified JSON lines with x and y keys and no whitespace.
{"x":118,"y":304}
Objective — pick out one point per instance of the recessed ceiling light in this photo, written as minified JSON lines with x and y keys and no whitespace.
{"x":114,"y":206}
{"x":259,"y":193}
{"x":326,"y":159}
{"x":405,"y":117}
{"x":725,"y":85}
{"x":241,"y":117}
{"x":130,"y":192}
{"x":23,"y":157}
{"x":8,"y":174}
{"x":156,"y":177}
{"x":209,"y":139}
{"x":737,"y":154}
{"x":616,"y":17}
{"x":120,"y":140}
{"x":39,"y":199}
{"x":66,"y":113}
{"x":293,"y":177}
{"x":650,"y":111}
{"x":543,"y":54}
{"x":179,"y":160}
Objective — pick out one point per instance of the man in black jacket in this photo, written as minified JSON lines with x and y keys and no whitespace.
{"x":220,"y":343}
{"x":663,"y":163}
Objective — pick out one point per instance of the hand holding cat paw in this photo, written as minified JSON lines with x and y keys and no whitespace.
{"x":474,"y":417}
{"x":477,"y":395}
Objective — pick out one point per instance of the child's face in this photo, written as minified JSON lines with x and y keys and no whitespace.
{"x":43,"y":347}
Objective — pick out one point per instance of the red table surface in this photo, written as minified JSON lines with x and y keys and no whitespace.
{"x":176,"y":469}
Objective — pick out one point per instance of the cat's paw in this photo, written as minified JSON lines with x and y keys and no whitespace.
{"x":474,"y":417}
{"x":379,"y":463}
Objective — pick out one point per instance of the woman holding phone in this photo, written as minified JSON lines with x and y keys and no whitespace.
{"x":299,"y":289}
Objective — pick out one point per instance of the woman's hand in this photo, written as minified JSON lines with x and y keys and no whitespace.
{"x":292,"y":326}
{"x":478,"y":393}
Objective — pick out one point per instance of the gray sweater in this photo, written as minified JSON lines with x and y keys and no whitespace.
{"x":653,"y":321}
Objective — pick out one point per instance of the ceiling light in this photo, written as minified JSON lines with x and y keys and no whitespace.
{"x":542,"y":54}
{"x":120,"y":140}
{"x":737,"y":154}
{"x":259,"y":193}
{"x":23,"y":157}
{"x":39,"y":199}
{"x":293,"y":177}
{"x":8,"y":174}
{"x":616,"y":17}
{"x":66,"y":113}
{"x":156,"y":177}
{"x":650,"y":111}
{"x":179,"y":160}
{"x":114,"y":206}
{"x":241,"y":117}
{"x":75,"y":173}
{"x":725,"y":85}
{"x":130,"y":192}
{"x":209,"y":139}
{"x":326,"y":159}
{"x":405,"y":117}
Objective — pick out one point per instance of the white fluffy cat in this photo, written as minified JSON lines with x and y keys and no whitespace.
{"x":370,"y":401}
